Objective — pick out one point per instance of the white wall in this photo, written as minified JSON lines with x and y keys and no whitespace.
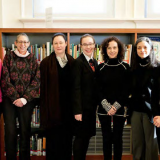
{"x":11,"y":13}
{"x":127,"y":14}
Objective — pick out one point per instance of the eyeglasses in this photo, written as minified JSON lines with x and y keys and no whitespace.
{"x":90,"y":44}
{"x":22,"y":42}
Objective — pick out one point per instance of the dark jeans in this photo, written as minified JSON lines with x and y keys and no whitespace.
{"x":59,"y":143}
{"x":112,"y":136}
{"x":10,"y":113}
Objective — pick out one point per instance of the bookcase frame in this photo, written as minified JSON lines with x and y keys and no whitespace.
{"x":134,"y":33}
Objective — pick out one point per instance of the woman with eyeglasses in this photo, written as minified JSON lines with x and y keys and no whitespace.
{"x":112,"y":82}
{"x":84,"y":97}
{"x":56,"y":115}
{"x":145,"y":99}
{"x":20,"y":85}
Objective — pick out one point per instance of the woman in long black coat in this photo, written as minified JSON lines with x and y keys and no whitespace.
{"x":55,"y":108}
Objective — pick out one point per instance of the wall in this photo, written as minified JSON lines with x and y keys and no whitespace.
{"x":128,"y":14}
{"x":11,"y":13}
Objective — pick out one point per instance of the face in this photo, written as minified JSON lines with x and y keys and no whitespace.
{"x":59,"y":45}
{"x":143,"y":49}
{"x":112,"y":49}
{"x":88,"y":46}
{"x":22,"y":44}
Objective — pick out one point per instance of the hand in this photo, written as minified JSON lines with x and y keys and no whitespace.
{"x":18,"y":103}
{"x":78,"y":117}
{"x":112,"y":111}
{"x":156,"y":121}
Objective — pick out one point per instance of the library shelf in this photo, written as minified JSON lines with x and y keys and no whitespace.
{"x":42,"y":35}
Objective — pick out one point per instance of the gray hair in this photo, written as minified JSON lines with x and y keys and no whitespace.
{"x":22,"y":34}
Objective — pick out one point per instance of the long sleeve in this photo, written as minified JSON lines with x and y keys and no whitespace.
{"x":76,"y":87}
{"x":8,"y":88}
{"x":155,"y":96}
{"x":33,"y":89}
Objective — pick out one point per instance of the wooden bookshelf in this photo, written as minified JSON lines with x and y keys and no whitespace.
{"x":8,"y":35}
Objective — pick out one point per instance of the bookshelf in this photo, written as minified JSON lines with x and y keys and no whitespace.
{"x":40,"y":36}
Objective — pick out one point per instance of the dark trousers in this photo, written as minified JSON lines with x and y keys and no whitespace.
{"x":10,"y":113}
{"x":112,"y":136}
{"x":144,"y":141}
{"x":59,"y":143}
{"x":80,"y":147}
{"x":158,"y":137}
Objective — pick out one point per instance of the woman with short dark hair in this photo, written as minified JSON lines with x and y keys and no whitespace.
{"x":112,"y":78}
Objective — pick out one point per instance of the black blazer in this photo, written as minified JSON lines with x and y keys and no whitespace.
{"x":84,"y":95}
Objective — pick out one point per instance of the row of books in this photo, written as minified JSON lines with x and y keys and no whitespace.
{"x":35,"y":121}
{"x":75,"y":50}
{"x":37,"y":145}
{"x":156,"y":46}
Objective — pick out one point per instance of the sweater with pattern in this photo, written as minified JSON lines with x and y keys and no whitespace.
{"x":20,"y":77}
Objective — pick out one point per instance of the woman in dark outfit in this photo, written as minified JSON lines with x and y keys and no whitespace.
{"x":84,"y":97}
{"x":144,"y":97}
{"x":112,"y":78}
{"x":55,"y":107}
{"x":20,"y":86}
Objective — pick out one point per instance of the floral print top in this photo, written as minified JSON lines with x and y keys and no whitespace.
{"x":20,"y":76}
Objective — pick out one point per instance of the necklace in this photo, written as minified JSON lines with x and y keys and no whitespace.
{"x":143,"y":65}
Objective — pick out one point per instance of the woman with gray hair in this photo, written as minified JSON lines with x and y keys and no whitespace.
{"x":144,"y":69}
{"x":20,"y":85}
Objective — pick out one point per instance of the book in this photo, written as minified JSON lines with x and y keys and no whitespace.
{"x":127,"y":54}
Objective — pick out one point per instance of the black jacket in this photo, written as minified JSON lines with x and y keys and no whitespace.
{"x":84,"y":96}
{"x":145,"y":86}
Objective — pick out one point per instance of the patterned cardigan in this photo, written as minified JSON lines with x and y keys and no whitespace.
{"x":20,"y":77}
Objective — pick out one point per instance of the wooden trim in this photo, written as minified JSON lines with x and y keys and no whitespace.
{"x":68,"y":43}
{"x":135,"y":37}
{"x":80,"y":30}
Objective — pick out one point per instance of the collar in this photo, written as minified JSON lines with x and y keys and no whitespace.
{"x":21,"y":55}
{"x":88,"y":58}
{"x":144,"y":62}
{"x":62,"y":61}
{"x":112,"y":61}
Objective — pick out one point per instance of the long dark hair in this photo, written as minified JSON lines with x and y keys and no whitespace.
{"x":152,"y":57}
{"x":105,"y":44}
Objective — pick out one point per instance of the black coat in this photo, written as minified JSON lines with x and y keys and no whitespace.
{"x":145,"y":90}
{"x":84,"y":96}
{"x":55,"y":93}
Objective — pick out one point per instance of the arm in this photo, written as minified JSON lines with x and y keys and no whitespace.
{"x":123,"y":98}
{"x":155,"y":94}
{"x":8,"y":88}
{"x":100,"y":87}
{"x":33,"y":89}
{"x":76,"y":88}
